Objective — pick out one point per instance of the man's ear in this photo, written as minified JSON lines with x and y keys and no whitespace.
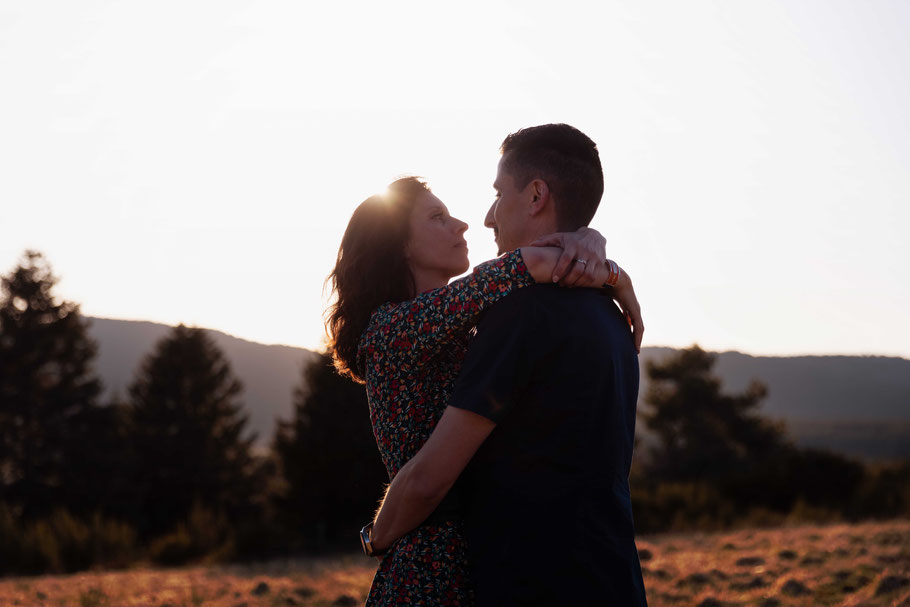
{"x":540,"y":197}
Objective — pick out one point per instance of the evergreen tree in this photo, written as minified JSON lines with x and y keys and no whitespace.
{"x":328,"y":456}
{"x":186,"y":431}
{"x":704,"y":434}
{"x":717,"y":446}
{"x":48,"y":395}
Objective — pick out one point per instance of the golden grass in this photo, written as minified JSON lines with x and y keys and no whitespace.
{"x":833,"y":565}
{"x":844,"y":565}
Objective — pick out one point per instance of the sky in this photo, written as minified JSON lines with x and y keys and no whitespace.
{"x":198,"y":162}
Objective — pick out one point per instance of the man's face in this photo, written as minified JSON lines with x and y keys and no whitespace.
{"x":509,"y":214}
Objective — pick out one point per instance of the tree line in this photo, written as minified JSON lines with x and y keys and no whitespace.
{"x":167,"y":473}
{"x":714,"y":462}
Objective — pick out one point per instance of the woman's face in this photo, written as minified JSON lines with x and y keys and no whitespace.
{"x":437,"y":247}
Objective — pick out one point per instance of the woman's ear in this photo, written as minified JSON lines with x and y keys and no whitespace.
{"x":540,"y":197}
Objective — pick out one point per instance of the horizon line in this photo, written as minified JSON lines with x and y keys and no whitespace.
{"x":651,"y":347}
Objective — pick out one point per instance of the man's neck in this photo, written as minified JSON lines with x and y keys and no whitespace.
{"x":537,"y":232}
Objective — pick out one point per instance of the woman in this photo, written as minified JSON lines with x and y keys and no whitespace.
{"x":399,"y":326}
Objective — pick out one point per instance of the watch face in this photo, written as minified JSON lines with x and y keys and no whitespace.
{"x":365,"y":542}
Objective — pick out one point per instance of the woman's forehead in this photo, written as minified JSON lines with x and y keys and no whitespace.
{"x":427,"y":201}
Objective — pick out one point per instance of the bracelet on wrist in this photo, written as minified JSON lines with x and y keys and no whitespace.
{"x":613,"y":276}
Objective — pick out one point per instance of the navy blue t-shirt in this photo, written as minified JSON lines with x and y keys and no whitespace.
{"x":548,"y":511}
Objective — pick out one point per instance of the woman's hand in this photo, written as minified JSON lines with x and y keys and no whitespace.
{"x":586,"y":245}
{"x":624,"y":295}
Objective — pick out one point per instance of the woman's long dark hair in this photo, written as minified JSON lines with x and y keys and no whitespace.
{"x":371,"y":268}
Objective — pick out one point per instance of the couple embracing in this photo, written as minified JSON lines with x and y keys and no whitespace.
{"x":503,"y":403}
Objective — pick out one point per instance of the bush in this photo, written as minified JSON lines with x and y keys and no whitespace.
{"x":63,"y":543}
{"x":113,"y":542}
{"x":73,"y":538}
{"x":211,"y":534}
{"x":681,"y":506}
{"x":39,"y":549}
{"x":885,"y":492}
{"x":175,"y":548}
{"x":205,"y":535}
{"x":804,"y":512}
{"x":10,"y":540}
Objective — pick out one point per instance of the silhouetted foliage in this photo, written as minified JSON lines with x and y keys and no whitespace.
{"x":704,"y":434}
{"x":885,"y":491}
{"x":717,"y":462}
{"x":186,"y":431}
{"x":49,"y":418}
{"x":329,"y":458}
{"x":168,"y":474}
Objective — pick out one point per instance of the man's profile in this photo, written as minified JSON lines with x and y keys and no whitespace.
{"x":542,"y":417}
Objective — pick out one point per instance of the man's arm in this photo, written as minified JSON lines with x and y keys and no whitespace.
{"x":422,"y":483}
{"x":494,"y":367}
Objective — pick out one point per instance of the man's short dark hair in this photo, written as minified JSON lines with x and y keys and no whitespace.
{"x":567,"y":160}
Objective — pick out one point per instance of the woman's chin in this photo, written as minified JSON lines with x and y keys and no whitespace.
{"x":465,"y":265}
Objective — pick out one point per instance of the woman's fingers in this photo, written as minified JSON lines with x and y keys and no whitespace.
{"x":564,"y":264}
{"x":588,"y":276}
{"x":572,"y":278}
{"x":588,"y":262}
{"x":638,"y":332}
{"x":633,"y":317}
{"x":550,"y":240}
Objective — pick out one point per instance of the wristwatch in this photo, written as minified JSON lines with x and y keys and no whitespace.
{"x":367,"y":542}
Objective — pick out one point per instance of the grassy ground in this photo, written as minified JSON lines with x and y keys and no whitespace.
{"x":836,"y":565}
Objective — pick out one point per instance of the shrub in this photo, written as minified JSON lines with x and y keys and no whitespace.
{"x":175,"y":548}
{"x":210,"y":533}
{"x":73,"y":539}
{"x":681,"y":506}
{"x":205,"y":535}
{"x":113,"y":542}
{"x":10,"y":540}
{"x":39,"y":550}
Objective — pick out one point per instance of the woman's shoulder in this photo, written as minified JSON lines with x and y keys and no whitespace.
{"x":382,"y":323}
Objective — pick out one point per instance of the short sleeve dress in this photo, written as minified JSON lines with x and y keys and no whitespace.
{"x":411,"y":354}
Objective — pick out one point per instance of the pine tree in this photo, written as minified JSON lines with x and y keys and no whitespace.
{"x":48,"y":394}
{"x":328,"y":457}
{"x":186,"y":429}
{"x":704,"y":434}
{"x":711,"y":439}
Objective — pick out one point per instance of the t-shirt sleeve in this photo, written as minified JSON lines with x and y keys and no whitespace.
{"x":500,"y":359}
{"x":427,"y":323}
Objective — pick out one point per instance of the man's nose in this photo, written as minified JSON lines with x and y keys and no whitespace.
{"x":460,"y":226}
{"x":488,"y":221}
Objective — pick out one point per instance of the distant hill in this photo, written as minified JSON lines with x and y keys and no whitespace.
{"x":818,"y":387}
{"x":859,"y":405}
{"x":269,"y":373}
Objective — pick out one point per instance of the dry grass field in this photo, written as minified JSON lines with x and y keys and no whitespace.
{"x":833,"y":565}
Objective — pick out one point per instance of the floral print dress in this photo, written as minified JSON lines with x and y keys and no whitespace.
{"x":411,"y":354}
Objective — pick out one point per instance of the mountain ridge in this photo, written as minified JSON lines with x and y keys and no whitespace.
{"x":859,"y":405}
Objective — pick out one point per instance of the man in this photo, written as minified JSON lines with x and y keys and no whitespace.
{"x":542,"y":418}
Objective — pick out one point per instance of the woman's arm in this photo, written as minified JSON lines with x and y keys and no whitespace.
{"x":582,"y":263}
{"x":422,"y":326}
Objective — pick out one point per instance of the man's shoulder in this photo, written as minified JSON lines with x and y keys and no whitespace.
{"x":520,"y":301}
{"x":549,"y":301}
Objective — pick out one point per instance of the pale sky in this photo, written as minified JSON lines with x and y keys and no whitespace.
{"x":197,"y":162}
